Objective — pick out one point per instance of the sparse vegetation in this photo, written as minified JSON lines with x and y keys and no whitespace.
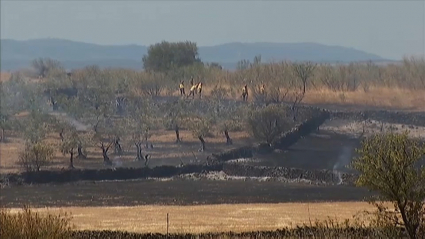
{"x":31,"y":225}
{"x":96,"y":110}
{"x":35,"y":156}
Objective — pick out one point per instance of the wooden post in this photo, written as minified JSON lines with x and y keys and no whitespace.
{"x":168,"y":223}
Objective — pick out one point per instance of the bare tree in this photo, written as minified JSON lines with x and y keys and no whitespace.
{"x":152,"y":84}
{"x":304,"y":71}
{"x":44,"y":66}
{"x":268,"y":123}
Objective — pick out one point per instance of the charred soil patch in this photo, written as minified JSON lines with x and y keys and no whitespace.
{"x":175,"y":192}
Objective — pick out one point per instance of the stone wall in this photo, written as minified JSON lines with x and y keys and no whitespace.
{"x":394,"y":117}
{"x":316,"y":176}
{"x":105,"y":174}
{"x":302,"y":130}
{"x":284,"y":142}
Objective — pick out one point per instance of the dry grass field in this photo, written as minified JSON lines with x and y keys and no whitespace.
{"x":392,"y":98}
{"x":4,"y":76}
{"x":385,"y":97}
{"x":208,"y":218}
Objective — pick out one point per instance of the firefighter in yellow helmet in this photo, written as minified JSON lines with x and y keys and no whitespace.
{"x":200,"y":89}
{"x":181,"y":87}
{"x":192,"y":90}
{"x":245,"y":92}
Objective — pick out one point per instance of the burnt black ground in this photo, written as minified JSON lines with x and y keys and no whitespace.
{"x":320,"y":150}
{"x":177,"y":192}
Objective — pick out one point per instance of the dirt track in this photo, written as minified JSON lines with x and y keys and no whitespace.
{"x":177,"y":192}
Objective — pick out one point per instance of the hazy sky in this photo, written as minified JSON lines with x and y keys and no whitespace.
{"x":390,"y":29}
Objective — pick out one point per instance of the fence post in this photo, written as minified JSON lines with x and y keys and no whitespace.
{"x":168,"y":223}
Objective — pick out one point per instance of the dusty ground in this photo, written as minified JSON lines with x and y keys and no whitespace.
{"x":208,"y":218}
{"x":319,"y":150}
{"x":165,"y":151}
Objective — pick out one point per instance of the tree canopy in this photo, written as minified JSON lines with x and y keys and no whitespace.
{"x":164,"y":56}
{"x":391,"y":165}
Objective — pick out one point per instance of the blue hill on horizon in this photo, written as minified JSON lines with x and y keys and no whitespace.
{"x":18,"y":54}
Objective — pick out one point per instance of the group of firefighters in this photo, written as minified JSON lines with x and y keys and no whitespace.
{"x":194,"y":89}
{"x":245,"y":91}
{"x":197,"y":88}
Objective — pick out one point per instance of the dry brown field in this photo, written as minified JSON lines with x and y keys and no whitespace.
{"x":208,"y":218}
{"x":386,"y":97}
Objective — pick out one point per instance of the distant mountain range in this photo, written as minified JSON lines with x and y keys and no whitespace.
{"x":18,"y":54}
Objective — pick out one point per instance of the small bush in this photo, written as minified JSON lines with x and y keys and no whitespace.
{"x":28,"y":224}
{"x":36,"y":156}
{"x":269,"y":123}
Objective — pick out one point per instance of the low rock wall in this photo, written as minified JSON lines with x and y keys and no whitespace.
{"x":284,"y":142}
{"x":106,"y":174}
{"x":405,"y":118}
{"x":318,"y":176}
{"x":302,"y":130}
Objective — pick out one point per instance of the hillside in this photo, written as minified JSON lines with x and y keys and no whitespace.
{"x":18,"y":54}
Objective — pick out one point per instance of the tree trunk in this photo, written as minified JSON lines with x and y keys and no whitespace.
{"x":177,"y":134}
{"x":71,"y":159}
{"x":61,"y":135}
{"x":105,"y":155}
{"x":294,"y":112}
{"x":228,"y":139}
{"x":139,"y":156}
{"x":146,"y":141}
{"x":80,"y":152}
{"x":202,"y":143}
{"x":117,"y":146}
{"x":2,"y":136}
{"x":411,"y":228}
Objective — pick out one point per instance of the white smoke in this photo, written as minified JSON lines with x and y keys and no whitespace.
{"x":344,"y":159}
{"x":117,"y":161}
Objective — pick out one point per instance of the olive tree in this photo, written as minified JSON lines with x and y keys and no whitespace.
{"x":139,"y":126}
{"x":72,"y":143}
{"x":175,"y":113}
{"x":393,"y":165}
{"x":103,"y":138}
{"x":36,"y":126}
{"x":200,"y":127}
{"x":164,"y":56}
